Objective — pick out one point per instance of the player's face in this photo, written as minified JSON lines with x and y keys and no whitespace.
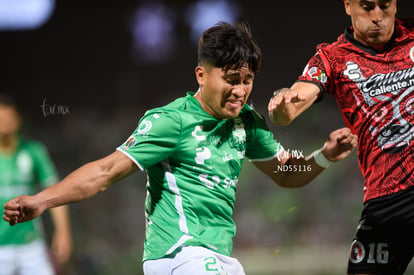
{"x":9,"y":120}
{"x":373,"y":20}
{"x":222,"y":94}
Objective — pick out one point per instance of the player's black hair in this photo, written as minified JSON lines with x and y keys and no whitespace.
{"x":228,"y":45}
{"x":7,"y":100}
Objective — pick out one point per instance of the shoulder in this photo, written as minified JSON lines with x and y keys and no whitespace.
{"x":405,"y":27}
{"x":170,"y":110}
{"x":407,"y":22}
{"x":160,"y":121}
{"x":251,"y":116}
{"x":173,"y":108}
{"x":339,"y":43}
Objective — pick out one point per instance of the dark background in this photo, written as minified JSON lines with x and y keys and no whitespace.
{"x":82,"y":62}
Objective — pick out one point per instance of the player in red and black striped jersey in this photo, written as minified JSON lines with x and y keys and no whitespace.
{"x":370,"y":72}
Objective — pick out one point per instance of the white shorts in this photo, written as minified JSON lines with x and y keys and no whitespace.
{"x":26,"y":259}
{"x":194,"y":260}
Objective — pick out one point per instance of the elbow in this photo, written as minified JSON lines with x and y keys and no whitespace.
{"x":282,"y":181}
{"x":290,"y":181}
{"x":98,"y":180}
{"x":285,"y":184}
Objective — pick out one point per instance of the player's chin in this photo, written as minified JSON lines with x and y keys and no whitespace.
{"x":232,"y":114}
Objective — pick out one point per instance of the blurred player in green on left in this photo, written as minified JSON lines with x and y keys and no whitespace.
{"x":25,"y":167}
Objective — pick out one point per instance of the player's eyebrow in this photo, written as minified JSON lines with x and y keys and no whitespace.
{"x":366,"y":2}
{"x":372,"y":2}
{"x":232,"y":73}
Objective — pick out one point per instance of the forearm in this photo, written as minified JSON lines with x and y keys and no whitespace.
{"x":83,"y":183}
{"x":284,"y":115}
{"x":288,"y":103}
{"x":300,"y":171}
{"x":338,"y":146}
{"x":291,"y":171}
{"x":296,"y":171}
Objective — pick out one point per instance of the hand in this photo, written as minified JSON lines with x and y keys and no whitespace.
{"x":340,"y":144}
{"x":282,"y":97}
{"x":21,"y":209}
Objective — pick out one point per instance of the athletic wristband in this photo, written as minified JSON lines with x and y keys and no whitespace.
{"x":320,"y":159}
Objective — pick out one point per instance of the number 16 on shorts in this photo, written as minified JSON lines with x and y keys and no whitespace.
{"x":375,"y":253}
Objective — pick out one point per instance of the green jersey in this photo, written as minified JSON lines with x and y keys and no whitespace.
{"x":193,"y":162}
{"x":21,"y":173}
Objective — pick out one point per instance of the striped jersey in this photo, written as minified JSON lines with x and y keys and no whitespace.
{"x":375,"y":92}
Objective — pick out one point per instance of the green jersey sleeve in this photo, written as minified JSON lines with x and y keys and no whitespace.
{"x":262,"y":144}
{"x":155,"y":138}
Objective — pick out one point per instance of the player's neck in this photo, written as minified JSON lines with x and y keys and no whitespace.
{"x":379,"y":48}
{"x":8,"y":144}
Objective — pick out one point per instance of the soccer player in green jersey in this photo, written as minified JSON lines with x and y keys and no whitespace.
{"x":192,"y":151}
{"x":24,"y":168}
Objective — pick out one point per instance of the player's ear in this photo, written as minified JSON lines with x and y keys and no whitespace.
{"x":347,"y":4}
{"x":395,"y":4}
{"x":200,"y":73}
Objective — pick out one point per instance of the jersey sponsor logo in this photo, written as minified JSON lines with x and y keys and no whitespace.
{"x":203,"y":139}
{"x":212,"y":181}
{"x":379,"y":84}
{"x":357,"y":252}
{"x":390,"y":100}
{"x":209,"y":183}
{"x":197,"y":129}
{"x":352,"y":71}
{"x":202,"y":154}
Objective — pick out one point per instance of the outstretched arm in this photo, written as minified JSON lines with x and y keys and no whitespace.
{"x":83,"y":183}
{"x":298,"y":171}
{"x":289,"y":103}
